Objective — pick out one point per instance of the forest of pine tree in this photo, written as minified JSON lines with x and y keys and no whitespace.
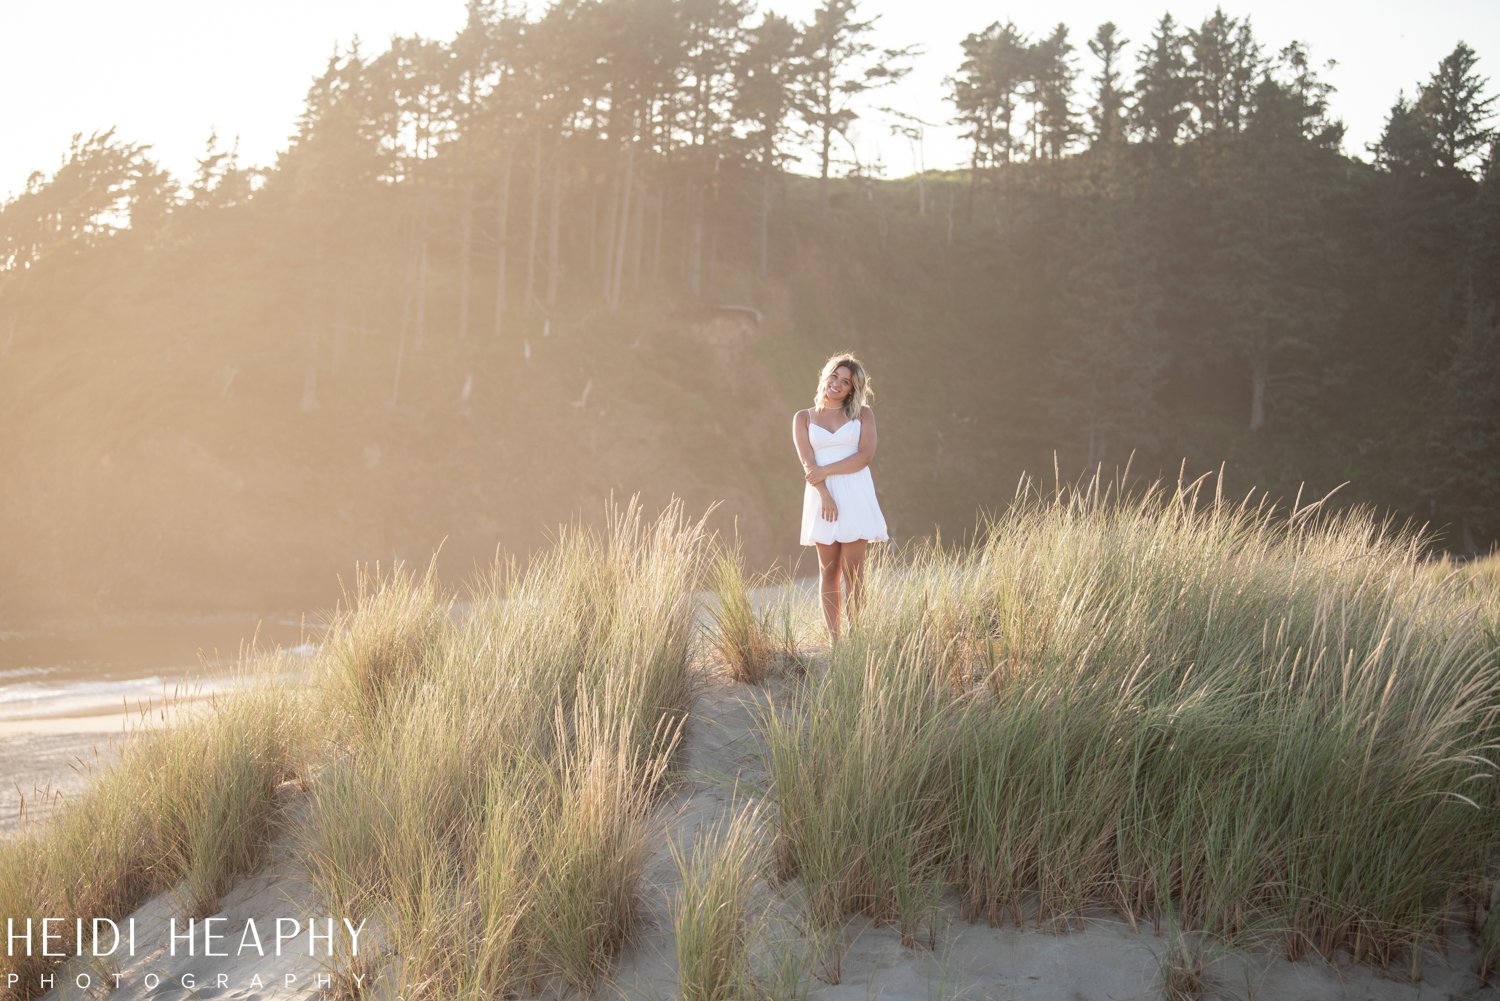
{"x":605,"y":248}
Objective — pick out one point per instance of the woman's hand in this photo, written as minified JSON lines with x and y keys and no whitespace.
{"x":815,"y":475}
{"x":830,"y":509}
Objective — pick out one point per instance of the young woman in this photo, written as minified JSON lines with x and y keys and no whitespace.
{"x":835,"y":440}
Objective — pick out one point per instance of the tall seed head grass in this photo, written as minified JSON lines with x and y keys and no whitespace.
{"x":710,"y":917}
{"x":23,"y":895}
{"x":743,"y":638}
{"x":379,"y":644}
{"x":1261,"y":721}
{"x":186,"y":808}
{"x":495,"y":827}
{"x":861,"y":785}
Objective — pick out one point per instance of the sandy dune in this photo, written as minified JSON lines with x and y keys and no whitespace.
{"x":720,"y":772}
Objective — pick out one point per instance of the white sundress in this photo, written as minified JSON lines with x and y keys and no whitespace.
{"x":859,"y":514}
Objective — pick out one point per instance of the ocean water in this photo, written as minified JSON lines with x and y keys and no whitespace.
{"x":128,"y":666}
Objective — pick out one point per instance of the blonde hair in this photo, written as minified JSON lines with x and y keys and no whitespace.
{"x":859,"y":395}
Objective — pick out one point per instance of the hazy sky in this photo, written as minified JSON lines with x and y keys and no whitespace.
{"x":166,"y":72}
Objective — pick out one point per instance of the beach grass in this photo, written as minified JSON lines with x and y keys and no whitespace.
{"x":186,"y":808}
{"x":750,"y":643}
{"x":383,"y":639}
{"x":1242,"y":723}
{"x":713,"y":925}
{"x":1271,"y":725}
{"x":494,"y":828}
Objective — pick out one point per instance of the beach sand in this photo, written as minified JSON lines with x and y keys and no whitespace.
{"x":41,"y":759}
{"x":721,"y":771}
{"x":44,"y":758}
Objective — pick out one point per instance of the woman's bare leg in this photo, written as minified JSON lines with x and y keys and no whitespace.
{"x":853,"y":559}
{"x":830,"y":564}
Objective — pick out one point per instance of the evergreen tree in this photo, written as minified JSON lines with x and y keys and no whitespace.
{"x":714,"y":35}
{"x":413,"y":77}
{"x":1407,"y":144}
{"x":1461,"y":471}
{"x":986,"y":89}
{"x":1110,"y":353}
{"x":220,"y":181}
{"x":1226,"y":65}
{"x":1268,"y":279}
{"x":1482,"y":265}
{"x":475,"y":68}
{"x":1108,"y":112}
{"x":764,"y":96}
{"x":101,"y":188}
{"x":1057,"y":123}
{"x":1462,"y":453}
{"x":840,"y":64}
{"x":1162,"y":91}
{"x":1457,"y":111}
{"x":1308,"y":95}
{"x":975,"y":103}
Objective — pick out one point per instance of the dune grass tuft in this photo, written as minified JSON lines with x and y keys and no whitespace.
{"x":380,"y":643}
{"x":1277,"y":725}
{"x":185,"y":808}
{"x":1183,"y":973}
{"x":495,"y":827}
{"x":711,"y":916}
{"x":745,"y":640}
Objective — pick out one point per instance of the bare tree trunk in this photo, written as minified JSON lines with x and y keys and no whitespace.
{"x":623,"y":232}
{"x":1260,"y":364}
{"x":767,"y":169}
{"x":419,"y":331}
{"x":408,"y":279}
{"x":607,"y":244}
{"x":502,"y":243}
{"x":656,"y":239}
{"x":340,"y":346}
{"x":310,"y":371}
{"x":593,"y":240}
{"x":554,"y":230}
{"x":695,"y":243}
{"x":711,"y":234}
{"x":827,"y":154}
{"x":400,"y":364}
{"x":465,"y":255}
{"x":973,"y":186}
{"x":1096,"y":445}
{"x":534,"y":233}
{"x":638,"y":243}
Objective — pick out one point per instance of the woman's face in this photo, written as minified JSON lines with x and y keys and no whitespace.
{"x":838,"y":385}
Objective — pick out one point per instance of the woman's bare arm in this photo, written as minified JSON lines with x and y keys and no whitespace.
{"x":854,"y":463}
{"x":805,"y":453}
{"x":802,"y":442}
